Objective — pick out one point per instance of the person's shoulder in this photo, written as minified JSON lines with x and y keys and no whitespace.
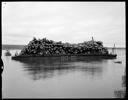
{"x":1,"y":62}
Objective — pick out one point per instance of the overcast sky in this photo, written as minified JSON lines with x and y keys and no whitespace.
{"x":71,"y":22}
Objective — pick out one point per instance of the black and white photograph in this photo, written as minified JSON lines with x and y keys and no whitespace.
{"x":63,"y":49}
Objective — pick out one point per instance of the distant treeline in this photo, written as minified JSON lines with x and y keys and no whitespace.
{"x":5,"y":47}
{"x":116,"y":47}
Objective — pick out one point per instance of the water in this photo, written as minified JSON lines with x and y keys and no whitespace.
{"x":55,"y":78}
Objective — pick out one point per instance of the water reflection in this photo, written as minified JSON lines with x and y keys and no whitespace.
{"x":121,"y":93}
{"x":48,"y":67}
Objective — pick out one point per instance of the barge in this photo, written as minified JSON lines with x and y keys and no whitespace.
{"x":44,"y":48}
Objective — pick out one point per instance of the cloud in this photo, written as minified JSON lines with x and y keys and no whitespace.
{"x":64,"y":21}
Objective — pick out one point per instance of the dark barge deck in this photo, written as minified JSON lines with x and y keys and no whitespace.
{"x":103,"y":56}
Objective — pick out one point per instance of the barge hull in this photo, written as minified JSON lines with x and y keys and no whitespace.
{"x":66,"y":56}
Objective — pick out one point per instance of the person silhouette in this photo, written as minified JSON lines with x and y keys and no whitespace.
{"x":1,"y":65}
{"x":1,"y":70}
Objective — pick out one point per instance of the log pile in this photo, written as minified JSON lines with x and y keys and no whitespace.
{"x":44,"y":46}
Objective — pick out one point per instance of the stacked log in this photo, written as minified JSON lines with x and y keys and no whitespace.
{"x":44,"y":46}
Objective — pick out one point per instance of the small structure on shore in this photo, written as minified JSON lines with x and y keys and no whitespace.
{"x":7,"y":53}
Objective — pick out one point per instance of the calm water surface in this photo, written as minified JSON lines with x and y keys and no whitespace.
{"x":62,"y":78}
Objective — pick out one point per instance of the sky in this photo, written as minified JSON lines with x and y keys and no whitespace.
{"x":72,"y":22}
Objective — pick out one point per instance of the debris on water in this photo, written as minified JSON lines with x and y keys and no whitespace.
{"x":120,"y":62}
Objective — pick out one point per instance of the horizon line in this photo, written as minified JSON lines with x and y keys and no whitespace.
{"x":104,"y":46}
